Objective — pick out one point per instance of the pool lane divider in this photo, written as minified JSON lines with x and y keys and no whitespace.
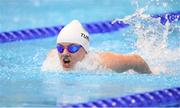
{"x":159,"y":98}
{"x":92,"y":28}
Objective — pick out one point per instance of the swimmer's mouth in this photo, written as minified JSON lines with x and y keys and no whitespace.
{"x":66,"y":60}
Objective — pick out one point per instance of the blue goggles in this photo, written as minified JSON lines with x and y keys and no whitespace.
{"x":72,"y":48}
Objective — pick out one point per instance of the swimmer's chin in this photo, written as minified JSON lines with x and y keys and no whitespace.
{"x":67,"y":67}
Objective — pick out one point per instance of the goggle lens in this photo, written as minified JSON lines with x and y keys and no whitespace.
{"x":60,"y":48}
{"x":71,"y":48}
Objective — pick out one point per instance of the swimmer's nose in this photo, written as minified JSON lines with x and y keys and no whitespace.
{"x":65,"y":52}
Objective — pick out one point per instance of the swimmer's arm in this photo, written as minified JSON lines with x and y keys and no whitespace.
{"x":121,"y":63}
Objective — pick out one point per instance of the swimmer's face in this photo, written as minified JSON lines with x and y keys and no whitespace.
{"x":67,"y":58}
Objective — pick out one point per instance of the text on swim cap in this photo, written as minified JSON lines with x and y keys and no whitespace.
{"x":84,"y":36}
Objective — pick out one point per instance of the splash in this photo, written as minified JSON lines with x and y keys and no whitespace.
{"x":91,"y":63}
{"x":152,"y":40}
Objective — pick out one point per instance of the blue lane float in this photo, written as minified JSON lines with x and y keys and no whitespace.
{"x":168,"y":17}
{"x":92,"y":28}
{"x":167,"y":97}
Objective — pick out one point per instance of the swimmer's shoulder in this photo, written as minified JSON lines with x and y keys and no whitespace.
{"x":51,"y":61}
{"x":52,"y":53}
{"x":51,"y":56}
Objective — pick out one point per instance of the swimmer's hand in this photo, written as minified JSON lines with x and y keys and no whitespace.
{"x":139,"y":65}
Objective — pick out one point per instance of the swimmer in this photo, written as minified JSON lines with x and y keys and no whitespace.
{"x":73,"y":47}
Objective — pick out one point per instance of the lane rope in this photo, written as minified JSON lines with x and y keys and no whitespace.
{"x":158,"y":98}
{"x":92,"y":28}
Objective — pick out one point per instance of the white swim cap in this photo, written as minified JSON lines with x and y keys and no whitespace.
{"x":74,"y":32}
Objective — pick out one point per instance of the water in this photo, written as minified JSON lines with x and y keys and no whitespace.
{"x":23,"y":83}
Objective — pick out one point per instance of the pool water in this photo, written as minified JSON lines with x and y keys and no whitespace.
{"x":22,"y":83}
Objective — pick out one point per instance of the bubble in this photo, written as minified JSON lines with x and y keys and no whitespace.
{"x":16,"y":19}
{"x":164,"y":4}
